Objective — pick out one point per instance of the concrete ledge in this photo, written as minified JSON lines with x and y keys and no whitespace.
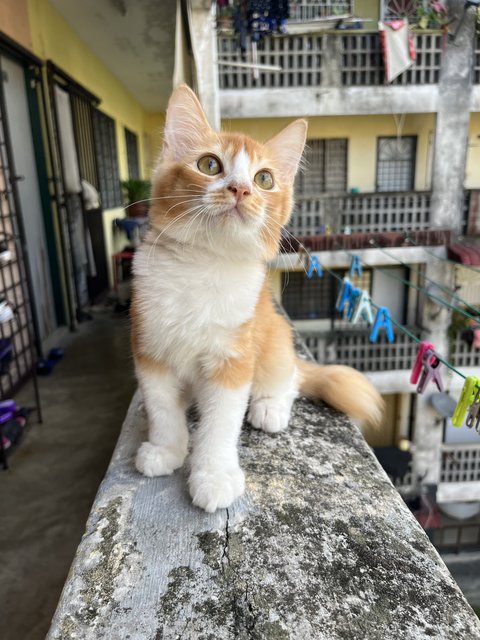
{"x":321,"y":547}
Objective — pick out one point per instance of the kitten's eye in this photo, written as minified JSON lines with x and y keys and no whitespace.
{"x":209,"y":165}
{"x":264,"y":180}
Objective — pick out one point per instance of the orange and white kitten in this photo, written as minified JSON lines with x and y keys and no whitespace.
{"x":204,"y":328}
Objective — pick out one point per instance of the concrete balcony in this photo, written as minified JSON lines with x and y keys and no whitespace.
{"x":361,"y":213}
{"x":327,"y":73}
{"x":321,"y":546}
{"x":460,"y":473}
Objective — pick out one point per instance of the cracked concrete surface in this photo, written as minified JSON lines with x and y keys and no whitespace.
{"x":321,"y":546}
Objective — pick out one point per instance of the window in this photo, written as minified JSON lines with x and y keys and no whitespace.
{"x":131,"y":143}
{"x":107,"y":160}
{"x":396,"y":163}
{"x":311,"y":9}
{"x":325,"y":167}
{"x":309,"y":298}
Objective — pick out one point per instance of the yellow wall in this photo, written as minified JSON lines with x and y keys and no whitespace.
{"x":472,"y":173}
{"x":53,"y":39}
{"x":362,"y":133}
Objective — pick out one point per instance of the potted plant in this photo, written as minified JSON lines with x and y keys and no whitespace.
{"x":434,"y":16}
{"x":137,"y":194}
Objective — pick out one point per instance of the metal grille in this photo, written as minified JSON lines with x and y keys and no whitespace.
{"x":131,"y":143}
{"x":325,"y":167}
{"x":308,"y":298}
{"x":461,"y":463}
{"x":300,"y":58}
{"x":84,"y":138}
{"x":396,"y":163}
{"x":310,"y":9}
{"x":13,"y":276}
{"x":107,"y":160}
{"x":401,"y":9}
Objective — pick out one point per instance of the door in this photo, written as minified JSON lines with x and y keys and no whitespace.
{"x":29,"y":195}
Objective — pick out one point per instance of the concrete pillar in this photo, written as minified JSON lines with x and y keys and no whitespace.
{"x":203,"y":34}
{"x":453,"y":117}
{"x":428,"y":435}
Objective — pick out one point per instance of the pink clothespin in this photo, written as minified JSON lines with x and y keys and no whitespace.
{"x":430,"y":371}
{"x":417,"y":367}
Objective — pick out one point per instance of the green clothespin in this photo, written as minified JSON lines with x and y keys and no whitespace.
{"x":470,"y":388}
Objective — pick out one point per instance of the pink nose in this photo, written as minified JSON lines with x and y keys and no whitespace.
{"x":239,"y":190}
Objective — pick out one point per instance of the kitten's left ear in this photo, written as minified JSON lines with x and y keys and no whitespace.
{"x":185,"y":123}
{"x":286,"y":148}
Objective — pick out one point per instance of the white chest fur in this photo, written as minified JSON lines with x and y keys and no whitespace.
{"x":190,"y":303}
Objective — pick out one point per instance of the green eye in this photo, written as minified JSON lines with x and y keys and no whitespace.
{"x":209,"y":165}
{"x":264,"y":180}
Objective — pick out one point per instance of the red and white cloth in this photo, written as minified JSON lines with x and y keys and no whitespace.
{"x":398,"y":47}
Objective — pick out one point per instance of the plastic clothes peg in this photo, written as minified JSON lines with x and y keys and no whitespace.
{"x":473,"y":418}
{"x":418,"y":366}
{"x":344,"y":295}
{"x":382,"y":319}
{"x":430,"y":371}
{"x":351,"y":302}
{"x":467,"y":398}
{"x":355,"y":267}
{"x":363,"y":308}
{"x":314,"y":265}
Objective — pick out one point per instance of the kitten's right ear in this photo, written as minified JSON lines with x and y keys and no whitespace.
{"x":185,"y":124}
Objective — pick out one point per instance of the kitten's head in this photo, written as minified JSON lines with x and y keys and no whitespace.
{"x":223,"y":191}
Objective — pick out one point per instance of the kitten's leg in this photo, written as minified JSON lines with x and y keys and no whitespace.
{"x":216,"y":478}
{"x":167,"y":444}
{"x":275,"y":383}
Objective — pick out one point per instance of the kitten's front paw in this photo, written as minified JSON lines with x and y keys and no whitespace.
{"x":216,"y":488}
{"x":269,"y":414}
{"x":153,"y":461}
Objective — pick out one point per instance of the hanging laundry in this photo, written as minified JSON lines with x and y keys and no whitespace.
{"x":398,"y":48}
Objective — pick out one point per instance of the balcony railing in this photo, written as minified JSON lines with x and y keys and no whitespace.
{"x":361,"y":213}
{"x":356,"y":350}
{"x":325,"y":60}
{"x":461,"y":463}
{"x":463,"y":354}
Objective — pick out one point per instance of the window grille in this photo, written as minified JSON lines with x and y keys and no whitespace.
{"x":131,"y":143}
{"x":325,"y":167}
{"x":309,"y":298}
{"x":107,"y":160}
{"x":396,"y":163}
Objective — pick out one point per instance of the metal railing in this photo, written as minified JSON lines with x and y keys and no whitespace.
{"x":325,"y":59}
{"x":460,"y":463}
{"x":356,"y":350}
{"x":361,"y":213}
{"x":457,"y":537}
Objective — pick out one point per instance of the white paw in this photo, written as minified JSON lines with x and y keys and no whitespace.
{"x":153,"y":461}
{"x":216,"y":488}
{"x":269,"y":414}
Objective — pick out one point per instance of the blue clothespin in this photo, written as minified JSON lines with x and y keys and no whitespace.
{"x":382,"y":319}
{"x":363,"y":309}
{"x":355,"y":295}
{"x":344,"y":295}
{"x":314,"y":265}
{"x":355,"y":267}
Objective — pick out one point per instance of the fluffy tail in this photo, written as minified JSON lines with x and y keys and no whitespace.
{"x":343,"y":388}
